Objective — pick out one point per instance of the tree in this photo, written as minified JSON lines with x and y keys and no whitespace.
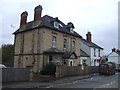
{"x":7,"y":54}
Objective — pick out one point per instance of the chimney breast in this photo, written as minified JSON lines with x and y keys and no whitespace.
{"x":23,"y":18}
{"x":37,"y":12}
{"x":88,"y":36}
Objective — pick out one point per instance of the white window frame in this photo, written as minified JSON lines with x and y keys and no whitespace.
{"x":56,"y":24}
{"x":94,"y":52}
{"x":71,"y":30}
{"x":59,"y":59}
{"x":54,"y":41}
{"x":73,"y":45}
{"x":98,"y":52}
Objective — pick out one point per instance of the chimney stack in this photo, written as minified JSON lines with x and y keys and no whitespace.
{"x":37,"y":12}
{"x":113,"y":50}
{"x":88,"y":37}
{"x":23,"y":18}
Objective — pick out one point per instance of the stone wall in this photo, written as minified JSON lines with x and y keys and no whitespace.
{"x":29,"y":44}
{"x":62,"y":71}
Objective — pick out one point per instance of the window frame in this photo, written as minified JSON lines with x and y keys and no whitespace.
{"x":84,"y":61}
{"x":54,"y":41}
{"x":49,"y":59}
{"x":73,"y":46}
{"x":99,"y":52}
{"x":64,"y":43}
{"x":58,"y":59}
{"x":56,"y":24}
{"x":94,"y":52}
{"x":71,"y":30}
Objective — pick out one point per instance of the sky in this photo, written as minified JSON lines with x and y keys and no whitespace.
{"x":100,"y":17}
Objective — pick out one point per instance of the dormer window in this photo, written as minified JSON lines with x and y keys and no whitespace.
{"x":70,"y":27}
{"x":56,"y":24}
{"x":71,"y":30}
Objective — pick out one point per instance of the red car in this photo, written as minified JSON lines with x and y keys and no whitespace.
{"x":106,"y":69}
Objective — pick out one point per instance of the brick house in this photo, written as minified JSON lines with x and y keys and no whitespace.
{"x":44,"y":40}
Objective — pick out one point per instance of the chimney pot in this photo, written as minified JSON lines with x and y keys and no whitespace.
{"x":113,"y":50}
{"x":37,"y":12}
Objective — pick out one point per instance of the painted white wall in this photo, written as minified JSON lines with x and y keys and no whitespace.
{"x":90,"y":51}
{"x":113,"y":57}
{"x":95,"y":57}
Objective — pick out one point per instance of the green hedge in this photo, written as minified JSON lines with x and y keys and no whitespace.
{"x":49,"y":69}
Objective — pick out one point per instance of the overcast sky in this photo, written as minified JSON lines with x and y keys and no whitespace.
{"x":100,"y":17}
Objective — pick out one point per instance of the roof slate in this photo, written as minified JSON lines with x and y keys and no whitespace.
{"x":91,"y":44}
{"x":67,"y":54}
{"x":53,"y":51}
{"x":47,"y":22}
{"x":83,"y":54}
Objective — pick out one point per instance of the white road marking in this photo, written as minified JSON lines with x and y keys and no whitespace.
{"x":103,"y":86}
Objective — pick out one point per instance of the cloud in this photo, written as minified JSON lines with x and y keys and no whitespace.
{"x":97,"y":16}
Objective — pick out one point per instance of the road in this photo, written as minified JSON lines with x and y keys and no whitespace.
{"x":99,"y":81}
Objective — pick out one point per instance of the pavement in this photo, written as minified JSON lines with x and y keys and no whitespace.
{"x":39,"y":84}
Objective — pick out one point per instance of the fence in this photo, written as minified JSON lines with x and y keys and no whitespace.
{"x":62,"y":71}
{"x":15,"y":74}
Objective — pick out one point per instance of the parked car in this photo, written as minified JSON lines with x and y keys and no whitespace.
{"x":106,"y":69}
{"x":2,"y":66}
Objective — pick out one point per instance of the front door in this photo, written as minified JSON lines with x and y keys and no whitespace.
{"x":71,"y":63}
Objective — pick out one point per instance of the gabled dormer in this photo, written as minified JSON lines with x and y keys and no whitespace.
{"x":70,"y":27}
{"x":56,"y":24}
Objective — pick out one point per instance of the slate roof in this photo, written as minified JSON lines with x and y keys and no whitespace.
{"x":53,"y":51}
{"x":83,"y":54}
{"x":117,"y":52}
{"x":91,"y":44}
{"x":67,"y":54}
{"x":47,"y":22}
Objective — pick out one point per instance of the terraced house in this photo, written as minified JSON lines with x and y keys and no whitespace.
{"x":44,"y":40}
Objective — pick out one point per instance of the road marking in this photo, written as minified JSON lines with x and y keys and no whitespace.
{"x":103,"y":86}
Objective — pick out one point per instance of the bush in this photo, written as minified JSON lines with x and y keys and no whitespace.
{"x":49,"y":69}
{"x":113,"y":63}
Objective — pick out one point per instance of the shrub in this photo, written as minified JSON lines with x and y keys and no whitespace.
{"x":49,"y":69}
{"x":113,"y":63}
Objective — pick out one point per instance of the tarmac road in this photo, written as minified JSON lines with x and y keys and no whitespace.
{"x":99,"y":81}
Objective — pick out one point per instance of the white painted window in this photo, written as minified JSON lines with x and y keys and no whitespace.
{"x":54,"y":41}
{"x":73,"y":45}
{"x":99,"y":52}
{"x":71,"y":30}
{"x":59,"y":60}
{"x":94,"y":52}
{"x":56,"y":24}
